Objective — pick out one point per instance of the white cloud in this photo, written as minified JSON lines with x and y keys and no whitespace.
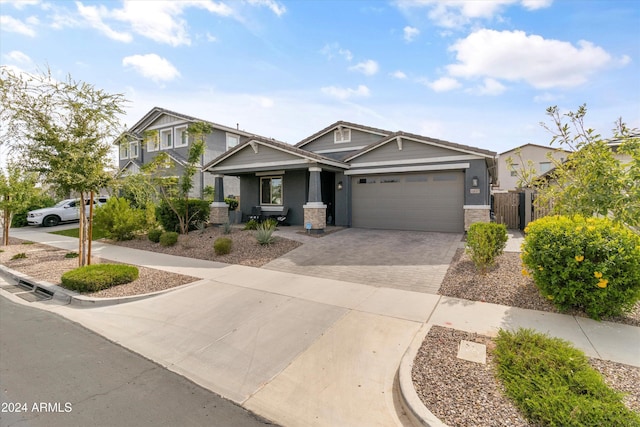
{"x":93,"y":15}
{"x":516,"y":56}
{"x":546,"y":97}
{"x":410,"y":33}
{"x":21,"y":4}
{"x":276,"y":7}
{"x":368,"y":67}
{"x":17,"y":57}
{"x":490,"y":87}
{"x":536,"y":4}
{"x":443,"y":84}
{"x":331,"y":50}
{"x":459,"y":13}
{"x":13,"y":25}
{"x":400,"y":75}
{"x":346,"y":93}
{"x":211,"y":38}
{"x":152,"y":66}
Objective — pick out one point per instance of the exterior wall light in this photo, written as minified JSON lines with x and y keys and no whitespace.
{"x":339,"y":185}
{"x":474,"y":181}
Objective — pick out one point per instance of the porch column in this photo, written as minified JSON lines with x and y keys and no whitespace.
{"x":315,"y":212}
{"x":219,"y":213}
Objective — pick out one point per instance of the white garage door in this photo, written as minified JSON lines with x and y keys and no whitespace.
{"x":428,"y":201}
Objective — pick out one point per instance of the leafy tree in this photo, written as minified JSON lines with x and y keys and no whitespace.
{"x":593,"y":181}
{"x":17,"y":189}
{"x":526,"y":173}
{"x":63,"y":130}
{"x":173,"y":191}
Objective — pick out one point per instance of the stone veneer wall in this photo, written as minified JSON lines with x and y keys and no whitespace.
{"x":219,"y":213}
{"x":316,"y":215}
{"x":472,"y":213}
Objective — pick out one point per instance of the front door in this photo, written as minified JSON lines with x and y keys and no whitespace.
{"x":328,"y":183}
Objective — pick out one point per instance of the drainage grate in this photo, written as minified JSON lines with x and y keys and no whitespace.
{"x":28,"y":286}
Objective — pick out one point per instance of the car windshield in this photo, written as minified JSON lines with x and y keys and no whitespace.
{"x":61,"y":204}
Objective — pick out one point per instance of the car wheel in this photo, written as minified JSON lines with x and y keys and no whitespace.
{"x":50,"y":221}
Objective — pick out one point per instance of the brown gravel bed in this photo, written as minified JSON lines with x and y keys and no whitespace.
{"x":466,"y":394}
{"x":48,"y":263}
{"x":245,"y":250}
{"x":505,"y":284}
{"x":463,"y":393}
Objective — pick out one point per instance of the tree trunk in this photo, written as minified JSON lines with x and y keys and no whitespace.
{"x":82,"y":258}
{"x":5,"y":227}
{"x":90,"y":231}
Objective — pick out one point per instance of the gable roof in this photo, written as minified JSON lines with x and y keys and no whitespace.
{"x":548,"y":148}
{"x":339,"y":123}
{"x":278,"y":145}
{"x":156,"y":112}
{"x":425,"y":140}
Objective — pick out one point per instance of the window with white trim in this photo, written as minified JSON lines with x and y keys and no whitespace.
{"x":341,"y":135}
{"x":133,"y":149}
{"x":152,"y":140}
{"x":545,"y":167}
{"x":232,"y":140}
{"x":182,"y":137}
{"x":166,"y":139}
{"x":514,"y":171}
{"x":124,"y":151}
{"x":271,"y":190}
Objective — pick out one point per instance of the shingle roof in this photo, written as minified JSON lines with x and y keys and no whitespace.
{"x":342,"y":123}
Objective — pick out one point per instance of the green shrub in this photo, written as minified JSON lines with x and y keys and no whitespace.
{"x":264,"y":235}
{"x":232,"y":202}
{"x":20,"y":255}
{"x":27,"y":243}
{"x":154,"y":235}
{"x":118,"y":219}
{"x":71,"y":255}
{"x":92,"y":278}
{"x":590,"y":264}
{"x":168,"y":238}
{"x":485,"y":242}
{"x":20,"y":217}
{"x":198,"y":212}
{"x":222,"y":245}
{"x":226,"y":228}
{"x":553,"y":384}
{"x":252,"y":224}
{"x":271,"y":223}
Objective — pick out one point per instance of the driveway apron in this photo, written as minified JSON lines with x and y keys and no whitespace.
{"x":407,"y":260}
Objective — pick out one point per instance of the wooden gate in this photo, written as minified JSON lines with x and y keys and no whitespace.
{"x":505,"y":207}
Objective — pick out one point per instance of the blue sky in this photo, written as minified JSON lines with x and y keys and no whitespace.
{"x":479,"y":73}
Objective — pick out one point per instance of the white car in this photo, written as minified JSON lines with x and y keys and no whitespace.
{"x":66,"y":210}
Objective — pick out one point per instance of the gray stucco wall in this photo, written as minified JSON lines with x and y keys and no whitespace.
{"x":477,"y":168}
{"x":326,"y":141}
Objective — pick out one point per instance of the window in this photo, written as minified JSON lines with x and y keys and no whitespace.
{"x":342,"y":135}
{"x":232,"y":140}
{"x":271,"y":190}
{"x":124,"y":151}
{"x":389,"y":179}
{"x":367,"y":181}
{"x":153,"y":143}
{"x":545,"y":167}
{"x":133,"y":149}
{"x":182,"y":137}
{"x":514,"y":171}
{"x":166,"y":139}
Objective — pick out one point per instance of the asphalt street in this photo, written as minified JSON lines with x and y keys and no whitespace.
{"x":54,"y":372}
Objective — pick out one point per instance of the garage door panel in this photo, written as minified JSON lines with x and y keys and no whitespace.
{"x":430,"y":201}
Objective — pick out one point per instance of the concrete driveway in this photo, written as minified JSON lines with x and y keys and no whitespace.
{"x":407,"y":260}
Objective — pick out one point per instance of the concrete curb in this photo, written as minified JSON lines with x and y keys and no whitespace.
{"x":68,"y":297}
{"x":419,"y":415}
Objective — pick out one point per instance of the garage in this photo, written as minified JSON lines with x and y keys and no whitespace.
{"x":426,"y":201}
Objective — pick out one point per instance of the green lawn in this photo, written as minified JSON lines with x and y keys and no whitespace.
{"x":73,"y":232}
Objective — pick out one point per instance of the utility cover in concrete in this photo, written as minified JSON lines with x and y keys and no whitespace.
{"x":472,"y":351}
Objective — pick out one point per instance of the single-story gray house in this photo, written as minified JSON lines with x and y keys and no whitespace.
{"x":357,"y":176}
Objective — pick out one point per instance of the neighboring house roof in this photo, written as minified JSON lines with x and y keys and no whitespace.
{"x":548,"y":148}
{"x":156,"y":112}
{"x":256,"y":140}
{"x":339,"y":123}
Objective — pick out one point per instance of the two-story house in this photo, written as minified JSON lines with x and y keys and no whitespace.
{"x":525,"y":159}
{"x":164,"y":131}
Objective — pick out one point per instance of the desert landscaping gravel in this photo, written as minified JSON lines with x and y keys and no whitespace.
{"x":460,"y":393}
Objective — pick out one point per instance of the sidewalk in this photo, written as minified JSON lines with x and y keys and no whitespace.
{"x":304,"y":350}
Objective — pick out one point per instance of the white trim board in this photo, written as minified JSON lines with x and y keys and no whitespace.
{"x":415,"y":161}
{"x":408,"y":169}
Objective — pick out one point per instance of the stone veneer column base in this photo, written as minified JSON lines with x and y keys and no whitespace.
{"x":316,"y":215}
{"x":219,"y":213}
{"x":476,"y":213}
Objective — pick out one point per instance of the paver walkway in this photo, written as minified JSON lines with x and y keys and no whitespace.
{"x":408,"y":260}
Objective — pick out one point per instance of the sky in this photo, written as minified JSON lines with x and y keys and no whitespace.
{"x":479,"y":73}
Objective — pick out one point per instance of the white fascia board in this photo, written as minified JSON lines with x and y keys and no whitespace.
{"x":309,"y":159}
{"x":338,"y":150}
{"x":401,"y":169}
{"x":259,"y":165}
{"x":415,"y":161}
{"x":170,"y":124}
